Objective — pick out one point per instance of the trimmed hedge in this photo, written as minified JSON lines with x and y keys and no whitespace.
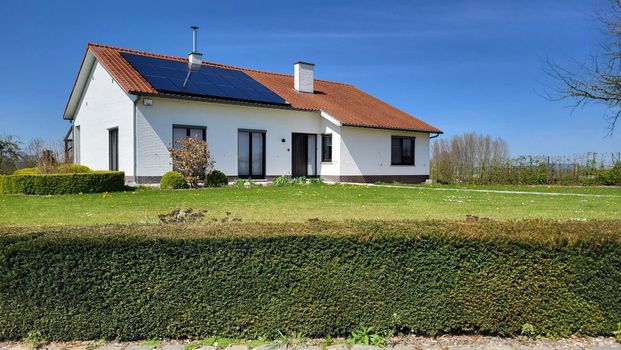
{"x":247,"y":280}
{"x":96,"y":181}
{"x":65,"y":168}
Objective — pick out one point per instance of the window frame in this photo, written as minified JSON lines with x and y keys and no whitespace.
{"x":325,"y":159}
{"x":250,"y":132}
{"x":113,"y":163}
{"x":413,"y":145}
{"x":187,"y":131}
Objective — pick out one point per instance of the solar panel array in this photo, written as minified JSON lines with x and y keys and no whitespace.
{"x":169,"y":75}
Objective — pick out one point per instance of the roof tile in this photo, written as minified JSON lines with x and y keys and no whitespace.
{"x":348,"y":104}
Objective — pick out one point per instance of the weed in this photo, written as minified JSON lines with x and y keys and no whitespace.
{"x":316,"y":181}
{"x":299,"y":180}
{"x":96,"y":344}
{"x":151,"y":342}
{"x":222,"y":343}
{"x":280,"y":181}
{"x":35,"y":339}
{"x":209,"y":341}
{"x":368,"y":336}
{"x":528,"y":330}
{"x":256,"y":342}
{"x":191,"y":346}
{"x":617,"y":333}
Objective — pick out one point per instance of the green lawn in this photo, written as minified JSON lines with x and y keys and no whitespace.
{"x":605,"y":190}
{"x":299,"y":203}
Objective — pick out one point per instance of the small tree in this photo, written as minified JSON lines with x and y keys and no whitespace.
{"x":192,"y":159}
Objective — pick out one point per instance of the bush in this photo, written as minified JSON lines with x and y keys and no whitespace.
{"x":216,"y":178}
{"x":173,"y":180}
{"x":323,"y":278}
{"x":26,"y":171}
{"x":92,"y":182}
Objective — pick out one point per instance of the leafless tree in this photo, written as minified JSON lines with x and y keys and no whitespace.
{"x":600,"y":80}
{"x":10,"y":153}
{"x":192,"y":159}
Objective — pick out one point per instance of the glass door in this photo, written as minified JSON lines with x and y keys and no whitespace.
{"x":251,"y":154}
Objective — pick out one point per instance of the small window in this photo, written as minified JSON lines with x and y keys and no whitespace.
{"x":326,"y":147}
{"x":183,"y":131}
{"x":402,"y":150}
{"x":113,"y":149}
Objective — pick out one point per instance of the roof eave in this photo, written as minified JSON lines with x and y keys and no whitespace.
{"x":79,"y":83}
{"x":427,"y":131}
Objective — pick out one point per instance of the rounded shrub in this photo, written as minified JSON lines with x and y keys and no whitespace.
{"x":173,"y":180}
{"x":216,"y":178}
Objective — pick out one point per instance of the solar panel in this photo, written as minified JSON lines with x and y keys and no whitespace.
{"x":168,"y":76}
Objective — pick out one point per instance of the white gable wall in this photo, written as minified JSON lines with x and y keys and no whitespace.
{"x":154,"y":132}
{"x":104,"y":105}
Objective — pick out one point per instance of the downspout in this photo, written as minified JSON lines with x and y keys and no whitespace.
{"x":135,"y":101}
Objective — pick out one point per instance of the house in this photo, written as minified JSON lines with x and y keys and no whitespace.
{"x":128,"y":107}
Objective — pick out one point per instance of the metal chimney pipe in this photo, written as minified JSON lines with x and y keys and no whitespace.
{"x":194,"y":34}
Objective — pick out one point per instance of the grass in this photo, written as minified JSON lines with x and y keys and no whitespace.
{"x":300,"y":203}
{"x":605,"y":190}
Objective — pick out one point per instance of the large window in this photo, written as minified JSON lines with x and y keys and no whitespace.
{"x":113,"y":149}
{"x":326,"y":147}
{"x":183,"y":131}
{"x":251,"y":154}
{"x":402,"y":150}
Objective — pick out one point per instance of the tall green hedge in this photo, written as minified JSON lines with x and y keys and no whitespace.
{"x":97,"y":181}
{"x":152,"y":281}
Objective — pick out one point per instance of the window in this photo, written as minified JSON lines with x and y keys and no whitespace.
{"x":183,"y":131}
{"x":326,"y":147}
{"x":251,"y":154}
{"x":113,"y":149}
{"x":402,"y":150}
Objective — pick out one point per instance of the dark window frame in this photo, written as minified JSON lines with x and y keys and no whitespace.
{"x":413,"y":145}
{"x":250,"y":132}
{"x":187,"y":131}
{"x":324,"y":158}
{"x":113,"y":162}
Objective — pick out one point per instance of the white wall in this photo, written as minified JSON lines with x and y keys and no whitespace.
{"x":104,"y":105}
{"x":366,"y":151}
{"x":154,"y":132}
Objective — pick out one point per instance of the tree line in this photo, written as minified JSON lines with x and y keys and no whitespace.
{"x":481,"y":159}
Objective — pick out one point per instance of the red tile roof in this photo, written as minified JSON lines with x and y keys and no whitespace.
{"x":346,"y":103}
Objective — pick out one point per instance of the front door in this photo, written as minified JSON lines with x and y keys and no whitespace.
{"x":303,"y":155}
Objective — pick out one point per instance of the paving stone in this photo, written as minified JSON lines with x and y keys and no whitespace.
{"x":307,"y":347}
{"x":109,"y":347}
{"x":337,"y":347}
{"x":238,"y":347}
{"x":173,"y":347}
{"x":140,"y":347}
{"x":402,"y":347}
{"x":365,"y":347}
{"x":207,"y":348}
{"x":272,"y":346}
{"x":605,"y":347}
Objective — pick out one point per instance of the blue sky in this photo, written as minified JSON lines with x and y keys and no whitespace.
{"x":460,"y":65}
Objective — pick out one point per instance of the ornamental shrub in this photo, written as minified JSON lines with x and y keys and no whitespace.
{"x":173,"y":180}
{"x":92,"y":182}
{"x":216,"y":178}
{"x":322,"y":278}
{"x":280,"y":181}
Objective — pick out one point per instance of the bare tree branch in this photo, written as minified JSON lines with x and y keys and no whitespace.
{"x":600,"y":81}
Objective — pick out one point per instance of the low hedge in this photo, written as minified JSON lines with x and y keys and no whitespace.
{"x":96,"y":181}
{"x":247,"y":280}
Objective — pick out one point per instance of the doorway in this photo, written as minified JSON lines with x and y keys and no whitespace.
{"x":303,"y":155}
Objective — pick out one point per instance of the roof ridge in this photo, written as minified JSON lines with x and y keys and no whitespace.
{"x":221,"y":65}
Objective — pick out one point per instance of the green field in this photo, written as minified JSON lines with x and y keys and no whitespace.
{"x":300,"y":203}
